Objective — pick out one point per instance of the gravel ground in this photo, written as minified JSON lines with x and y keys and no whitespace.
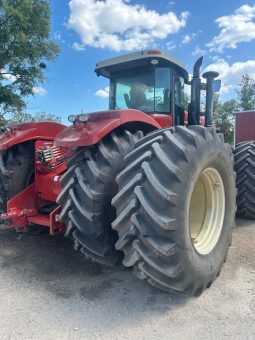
{"x":47,"y":291}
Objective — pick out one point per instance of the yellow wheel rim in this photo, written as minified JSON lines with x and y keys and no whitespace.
{"x":206,"y":211}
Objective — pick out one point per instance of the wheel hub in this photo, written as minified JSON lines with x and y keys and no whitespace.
{"x":206,"y":211}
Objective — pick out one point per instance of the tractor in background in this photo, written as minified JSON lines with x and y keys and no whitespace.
{"x":244,"y":155}
{"x":144,"y":183}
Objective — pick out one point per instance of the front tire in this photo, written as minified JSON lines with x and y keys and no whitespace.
{"x":88,"y":187}
{"x":176,"y":207}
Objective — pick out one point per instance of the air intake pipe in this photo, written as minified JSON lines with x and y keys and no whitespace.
{"x":209,"y":76}
{"x":194,"y":106}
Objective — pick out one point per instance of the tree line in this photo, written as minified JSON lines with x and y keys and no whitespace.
{"x":223,"y":111}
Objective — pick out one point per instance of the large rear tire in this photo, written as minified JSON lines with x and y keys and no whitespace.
{"x":16,"y":171}
{"x":244,"y":156}
{"x":176,"y":207}
{"x":88,"y":187}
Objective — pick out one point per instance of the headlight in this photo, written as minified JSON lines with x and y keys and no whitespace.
{"x":72,"y":118}
{"x":154,"y":61}
{"x":83,"y":118}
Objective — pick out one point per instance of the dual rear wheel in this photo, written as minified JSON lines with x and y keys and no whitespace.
{"x":173,"y":204}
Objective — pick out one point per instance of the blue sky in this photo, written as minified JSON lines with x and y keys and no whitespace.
{"x":89,"y":30}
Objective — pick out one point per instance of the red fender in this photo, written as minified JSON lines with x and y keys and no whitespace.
{"x":102,"y":123}
{"x":29,"y":131}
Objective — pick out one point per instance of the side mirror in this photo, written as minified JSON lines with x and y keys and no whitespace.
{"x":216,"y":85}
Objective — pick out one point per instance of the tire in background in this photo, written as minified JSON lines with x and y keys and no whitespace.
{"x":158,"y":205}
{"x":16,"y":171}
{"x":244,"y":156}
{"x":88,"y":187}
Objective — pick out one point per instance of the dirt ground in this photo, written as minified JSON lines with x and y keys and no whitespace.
{"x":47,"y":291}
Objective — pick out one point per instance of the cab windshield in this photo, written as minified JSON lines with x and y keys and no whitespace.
{"x":147,"y":91}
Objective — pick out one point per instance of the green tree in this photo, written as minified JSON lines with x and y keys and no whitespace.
{"x":44,"y":116}
{"x":246,"y":94}
{"x":25,"y":47}
{"x":23,"y":117}
{"x":223,"y":116}
{"x":186,"y":101}
{"x":216,"y":105}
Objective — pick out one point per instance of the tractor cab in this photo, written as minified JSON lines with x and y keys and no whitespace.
{"x":150,"y":81}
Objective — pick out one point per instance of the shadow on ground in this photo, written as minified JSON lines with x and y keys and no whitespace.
{"x":51,"y":264}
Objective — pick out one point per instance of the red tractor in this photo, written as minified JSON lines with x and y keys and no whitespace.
{"x":143,"y":183}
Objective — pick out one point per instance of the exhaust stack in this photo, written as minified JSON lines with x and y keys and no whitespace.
{"x":209,"y":76}
{"x":194,"y":106}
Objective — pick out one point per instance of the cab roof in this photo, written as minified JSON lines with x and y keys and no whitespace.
{"x":140,"y":59}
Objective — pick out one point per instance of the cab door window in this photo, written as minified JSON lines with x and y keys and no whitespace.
{"x":179,"y":99}
{"x":163,"y":90}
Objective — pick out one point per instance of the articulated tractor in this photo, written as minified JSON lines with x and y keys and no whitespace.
{"x":145,"y":183}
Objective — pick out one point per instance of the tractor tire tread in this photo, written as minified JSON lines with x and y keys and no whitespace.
{"x":148,"y":235}
{"x":88,"y":187}
{"x":244,"y":157}
{"x":16,"y":168}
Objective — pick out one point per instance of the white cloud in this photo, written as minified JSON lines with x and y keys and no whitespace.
{"x":235,"y":28}
{"x":215,"y":58}
{"x":198,"y":51}
{"x":170,"y":46}
{"x":119,"y":25}
{"x":186,"y":38}
{"x":58,"y":37}
{"x":78,"y":47}
{"x":40,"y":91}
{"x":231,"y":74}
{"x":187,"y":90}
{"x":103,"y":93}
